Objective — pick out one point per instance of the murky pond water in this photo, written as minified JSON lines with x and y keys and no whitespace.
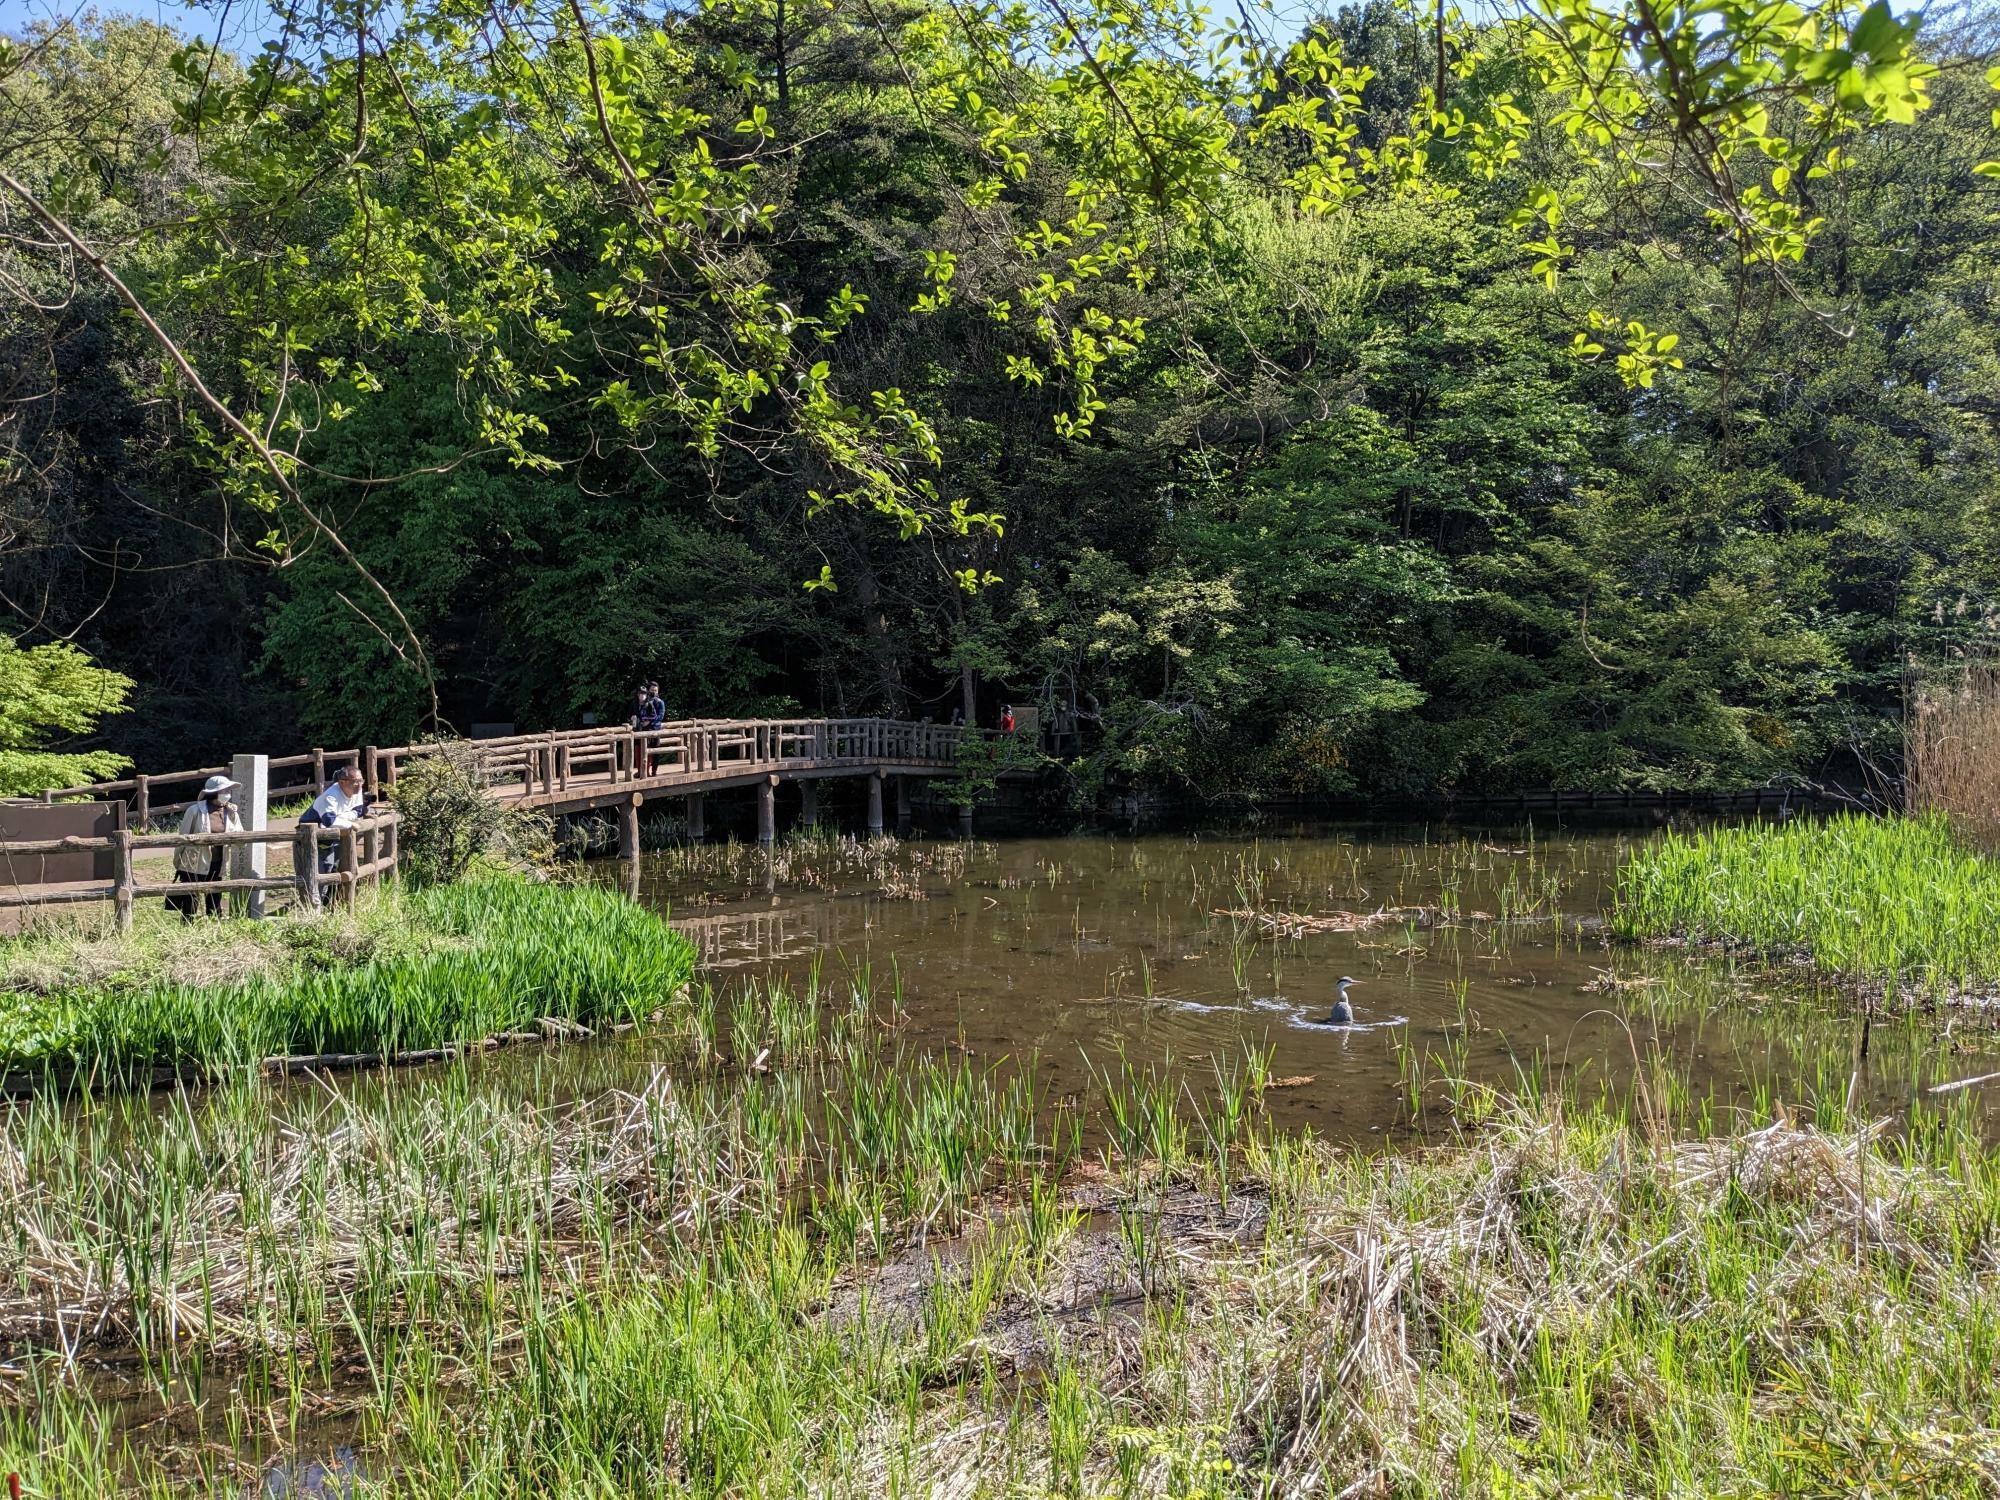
{"x":1477,"y":954}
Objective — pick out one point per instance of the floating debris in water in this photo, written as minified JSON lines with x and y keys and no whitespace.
{"x":1298,"y":923}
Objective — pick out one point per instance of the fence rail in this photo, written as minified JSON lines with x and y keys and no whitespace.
{"x":363,"y":852}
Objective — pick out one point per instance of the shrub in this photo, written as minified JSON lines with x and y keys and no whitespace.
{"x":452,"y":822}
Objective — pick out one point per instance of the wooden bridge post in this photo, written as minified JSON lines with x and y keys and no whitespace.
{"x":697,"y":826}
{"x":808,"y":804}
{"x":628,"y":826}
{"x":767,"y":811}
{"x":121,"y":877}
{"x":142,"y":801}
{"x":367,"y":770}
{"x":875,"y":803}
{"x":319,"y":770}
{"x":350,"y":866}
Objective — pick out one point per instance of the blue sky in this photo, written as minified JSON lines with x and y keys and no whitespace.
{"x":241,"y":22}
{"x":244,"y":25}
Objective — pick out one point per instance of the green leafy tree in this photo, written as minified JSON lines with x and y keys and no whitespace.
{"x":48,"y":692}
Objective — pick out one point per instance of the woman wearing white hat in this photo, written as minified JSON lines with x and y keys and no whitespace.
{"x":214,"y":813}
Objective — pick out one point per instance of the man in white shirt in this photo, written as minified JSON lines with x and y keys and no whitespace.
{"x":341,"y":803}
{"x":336,"y":807}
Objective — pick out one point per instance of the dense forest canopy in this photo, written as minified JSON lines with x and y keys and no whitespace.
{"x":1589,"y":396}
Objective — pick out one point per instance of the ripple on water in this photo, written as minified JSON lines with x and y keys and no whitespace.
{"x":1309,"y":1017}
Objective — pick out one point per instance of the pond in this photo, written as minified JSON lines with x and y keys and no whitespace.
{"x":1479,"y":960}
{"x":1476,"y":953}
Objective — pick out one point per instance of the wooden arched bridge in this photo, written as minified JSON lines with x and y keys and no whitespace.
{"x":564,"y":772}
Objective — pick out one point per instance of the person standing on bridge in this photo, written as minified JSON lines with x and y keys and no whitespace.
{"x":656,"y":706}
{"x":213,"y":812}
{"x":647,"y":715}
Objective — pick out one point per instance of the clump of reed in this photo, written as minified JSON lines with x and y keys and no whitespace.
{"x":424,"y":968}
{"x":1559,"y":1307}
{"x":1901,"y":904}
{"x":258,"y":1217}
{"x":1951,"y":747}
{"x":1564,"y":1302}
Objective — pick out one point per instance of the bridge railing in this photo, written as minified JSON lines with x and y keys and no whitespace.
{"x":551,"y":762}
{"x":363,"y":852}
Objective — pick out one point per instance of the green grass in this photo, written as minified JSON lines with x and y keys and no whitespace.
{"x":414,"y":969}
{"x":1899,"y":902}
{"x":1561,"y":1303}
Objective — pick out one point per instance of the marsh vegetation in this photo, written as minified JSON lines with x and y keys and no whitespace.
{"x":857,"y":1269}
{"x":1041,"y":1184}
{"x":412,"y":968}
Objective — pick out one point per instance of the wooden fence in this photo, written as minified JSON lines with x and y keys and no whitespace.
{"x":364,"y":852}
{"x":563,"y":769}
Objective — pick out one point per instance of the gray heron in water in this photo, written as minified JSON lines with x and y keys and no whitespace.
{"x":1342,"y":1013}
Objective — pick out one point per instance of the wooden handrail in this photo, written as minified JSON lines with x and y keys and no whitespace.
{"x":125,"y":884}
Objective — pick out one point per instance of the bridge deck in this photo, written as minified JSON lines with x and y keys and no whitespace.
{"x":583,"y":792}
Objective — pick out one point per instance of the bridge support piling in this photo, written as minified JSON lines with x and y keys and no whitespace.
{"x":965,"y":821}
{"x":628,"y":842}
{"x":628,"y":826}
{"x":874,"y":802}
{"x":697,"y":824}
{"x":767,"y":811}
{"x":808,"y":804}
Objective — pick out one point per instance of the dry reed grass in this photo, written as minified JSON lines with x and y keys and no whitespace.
{"x":111,"y":1246}
{"x":82,"y":952}
{"x":1951,"y":747}
{"x":1393,"y":1315}
{"x":895,"y":869}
